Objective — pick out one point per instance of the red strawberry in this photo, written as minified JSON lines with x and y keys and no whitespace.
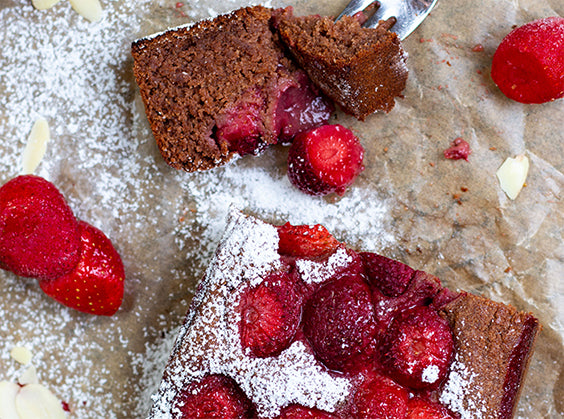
{"x":528,"y":65}
{"x":214,"y":397}
{"x":380,"y":398}
{"x":301,"y":412}
{"x":388,"y":275}
{"x":270,"y":315}
{"x":95,"y":285}
{"x":420,"y":408}
{"x":39,"y":235}
{"x":418,"y":348}
{"x":306,"y":241}
{"x":324,"y":160}
{"x":339,"y":321}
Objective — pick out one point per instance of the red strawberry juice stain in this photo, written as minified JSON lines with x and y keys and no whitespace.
{"x":66,"y":406}
{"x":478,"y":48}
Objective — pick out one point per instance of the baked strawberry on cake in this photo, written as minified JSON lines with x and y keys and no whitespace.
{"x":223,"y":87}
{"x":290,"y":323}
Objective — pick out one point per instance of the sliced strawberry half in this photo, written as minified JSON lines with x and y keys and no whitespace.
{"x":339,"y":321}
{"x":306,"y":241}
{"x":214,"y":397}
{"x":422,"y":408}
{"x":528,"y":65}
{"x":378,"y":397}
{"x":39,"y":236}
{"x":324,"y":160}
{"x":390,"y":276}
{"x":96,"y":284}
{"x":418,"y":348}
{"x":270,"y":315}
{"x":296,"y":411}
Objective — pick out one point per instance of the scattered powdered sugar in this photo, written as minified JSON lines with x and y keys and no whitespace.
{"x":209,"y":342}
{"x":459,"y":384}
{"x":313,"y":271}
{"x":430,"y":374}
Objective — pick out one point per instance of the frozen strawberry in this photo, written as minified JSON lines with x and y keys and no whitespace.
{"x":388,"y":275}
{"x":214,"y":397}
{"x":380,"y":398}
{"x":270,"y":315}
{"x":325,"y":160}
{"x":421,"y":408}
{"x":301,"y":412}
{"x":306,"y":241}
{"x":418,"y":348}
{"x":339,"y":320}
{"x":528,"y":65}
{"x":39,"y":235}
{"x":96,"y":284}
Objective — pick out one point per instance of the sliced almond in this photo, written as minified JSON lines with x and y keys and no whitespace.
{"x":512,"y":175}
{"x":36,"y":146}
{"x":29,"y":376}
{"x":8,"y":392}
{"x":44,"y":4}
{"x":88,"y":9}
{"x":21,"y":354}
{"x":35,"y":401}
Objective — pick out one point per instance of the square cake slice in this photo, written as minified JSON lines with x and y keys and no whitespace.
{"x":288,"y":322}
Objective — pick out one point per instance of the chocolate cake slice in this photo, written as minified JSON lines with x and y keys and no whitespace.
{"x":222,"y":87}
{"x":361,"y":69}
{"x":288,"y":322}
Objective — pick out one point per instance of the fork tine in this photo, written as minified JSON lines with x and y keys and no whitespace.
{"x":354,"y":7}
{"x":403,"y":27}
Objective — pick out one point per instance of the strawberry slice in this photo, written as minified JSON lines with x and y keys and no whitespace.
{"x":390,"y":276}
{"x":39,"y":235}
{"x":296,"y":411}
{"x":324,"y":160}
{"x":306,"y":241}
{"x":422,"y":408}
{"x":96,"y":284}
{"x":270,"y":315}
{"x":418,"y":348}
{"x":379,"y":397}
{"x":528,"y":65}
{"x":214,"y":397}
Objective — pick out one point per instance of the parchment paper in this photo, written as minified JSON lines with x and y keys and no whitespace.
{"x":449,"y":218}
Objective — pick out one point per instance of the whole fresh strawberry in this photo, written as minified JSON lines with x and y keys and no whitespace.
{"x":528,"y":65}
{"x":96,"y":283}
{"x":39,"y":234}
{"x":324,"y":160}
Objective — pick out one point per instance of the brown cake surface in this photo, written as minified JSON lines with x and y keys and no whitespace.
{"x":492,"y":341}
{"x":361,"y":69}
{"x":218,"y":79}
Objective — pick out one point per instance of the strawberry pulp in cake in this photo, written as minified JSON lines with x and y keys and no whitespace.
{"x":297,"y":324}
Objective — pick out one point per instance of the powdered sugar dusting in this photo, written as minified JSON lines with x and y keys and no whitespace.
{"x":459,"y":384}
{"x":313,"y":272}
{"x":209,"y":342}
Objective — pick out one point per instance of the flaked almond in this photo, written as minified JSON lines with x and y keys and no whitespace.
{"x":44,"y":4}
{"x":88,"y":9}
{"x":512,"y":175}
{"x":21,"y":354}
{"x":35,"y":401}
{"x":36,"y":146}
{"x":8,"y":392}
{"x":29,"y":376}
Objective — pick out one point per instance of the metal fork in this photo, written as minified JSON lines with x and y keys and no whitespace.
{"x":408,"y":14}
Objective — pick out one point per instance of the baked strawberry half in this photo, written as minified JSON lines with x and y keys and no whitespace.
{"x":422,"y":408}
{"x":388,"y":275}
{"x":378,"y":397}
{"x":295,"y":411}
{"x":270,"y":315}
{"x":339,"y":321}
{"x":306,"y":241}
{"x":39,"y":234}
{"x":214,"y":397}
{"x":528,"y":65}
{"x":96,"y":284}
{"x":324,"y":160}
{"x":418,"y":348}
